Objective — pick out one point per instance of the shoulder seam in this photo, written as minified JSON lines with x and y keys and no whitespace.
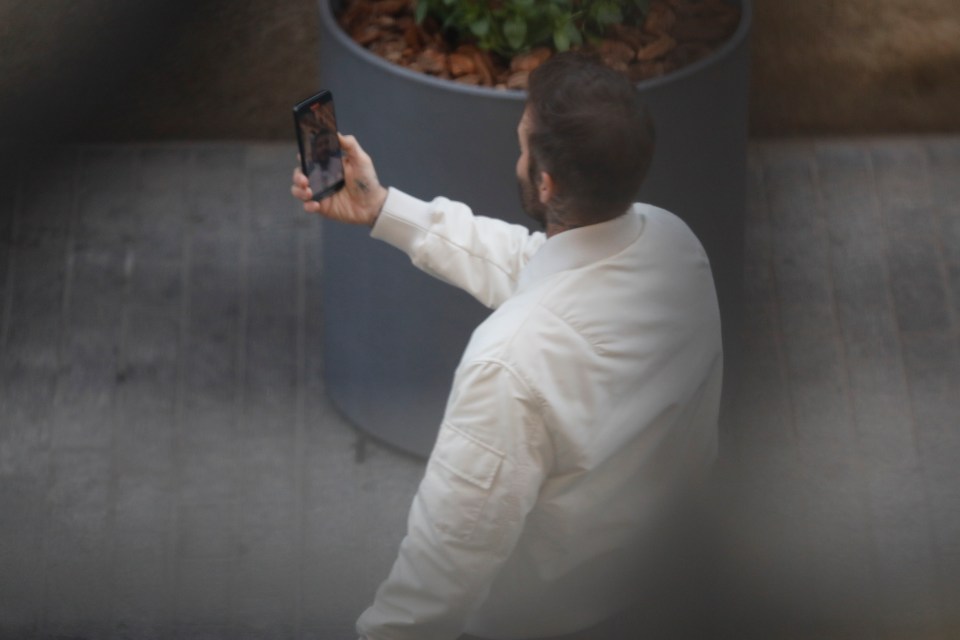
{"x":593,"y":345}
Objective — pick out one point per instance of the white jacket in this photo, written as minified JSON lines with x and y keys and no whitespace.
{"x":589,"y":394}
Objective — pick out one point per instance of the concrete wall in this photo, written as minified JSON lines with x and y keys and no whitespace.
{"x":215,"y":69}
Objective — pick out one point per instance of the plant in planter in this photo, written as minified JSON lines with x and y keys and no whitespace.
{"x":499,"y":43}
{"x":513,"y":27}
{"x":436,"y":103}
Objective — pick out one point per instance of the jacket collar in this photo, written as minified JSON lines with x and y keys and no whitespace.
{"x":582,"y":246}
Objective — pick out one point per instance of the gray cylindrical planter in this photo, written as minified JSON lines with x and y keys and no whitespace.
{"x":393,"y":335}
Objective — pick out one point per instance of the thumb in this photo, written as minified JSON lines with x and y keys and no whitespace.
{"x":351,"y":147}
{"x":347,"y":143}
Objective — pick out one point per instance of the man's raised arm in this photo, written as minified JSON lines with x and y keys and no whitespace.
{"x":482,"y":256}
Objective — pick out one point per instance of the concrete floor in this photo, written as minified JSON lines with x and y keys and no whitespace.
{"x":171,"y":468}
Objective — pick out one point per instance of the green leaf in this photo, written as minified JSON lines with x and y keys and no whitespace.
{"x":539,"y":33}
{"x":480,"y":27}
{"x":609,"y":14}
{"x":561,"y":40}
{"x":421,"y":11}
{"x":642,"y":5}
{"x":515,"y":30}
{"x":508,"y":26}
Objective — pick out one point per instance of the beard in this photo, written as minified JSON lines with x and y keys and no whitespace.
{"x":528,"y":196}
{"x":321,"y":156}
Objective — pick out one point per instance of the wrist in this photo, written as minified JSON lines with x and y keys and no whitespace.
{"x":380,"y":201}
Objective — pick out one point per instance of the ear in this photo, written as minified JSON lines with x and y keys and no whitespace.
{"x":545,"y":188}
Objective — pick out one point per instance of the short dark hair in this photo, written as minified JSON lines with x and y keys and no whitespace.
{"x":591,"y":132}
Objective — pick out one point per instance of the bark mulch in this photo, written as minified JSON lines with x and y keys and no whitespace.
{"x":674,"y":34}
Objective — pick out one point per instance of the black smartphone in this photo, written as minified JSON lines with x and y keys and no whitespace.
{"x":321,"y":159}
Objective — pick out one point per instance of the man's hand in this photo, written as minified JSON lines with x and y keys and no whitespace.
{"x":360,"y":200}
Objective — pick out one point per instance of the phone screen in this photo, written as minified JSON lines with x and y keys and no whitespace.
{"x":321,"y":158}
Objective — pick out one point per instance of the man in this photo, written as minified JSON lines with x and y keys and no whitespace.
{"x":322,"y":151}
{"x":583,"y":405}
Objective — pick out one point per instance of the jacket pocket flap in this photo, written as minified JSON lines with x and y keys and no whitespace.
{"x":466,"y":457}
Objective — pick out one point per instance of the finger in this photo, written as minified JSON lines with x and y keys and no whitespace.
{"x":301,"y":193}
{"x":347,"y":143}
{"x":299,"y":178}
{"x":351,"y":147}
{"x":354,"y":151}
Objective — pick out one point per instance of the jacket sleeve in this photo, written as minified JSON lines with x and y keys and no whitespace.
{"x":483,"y":256}
{"x":483,"y":477}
